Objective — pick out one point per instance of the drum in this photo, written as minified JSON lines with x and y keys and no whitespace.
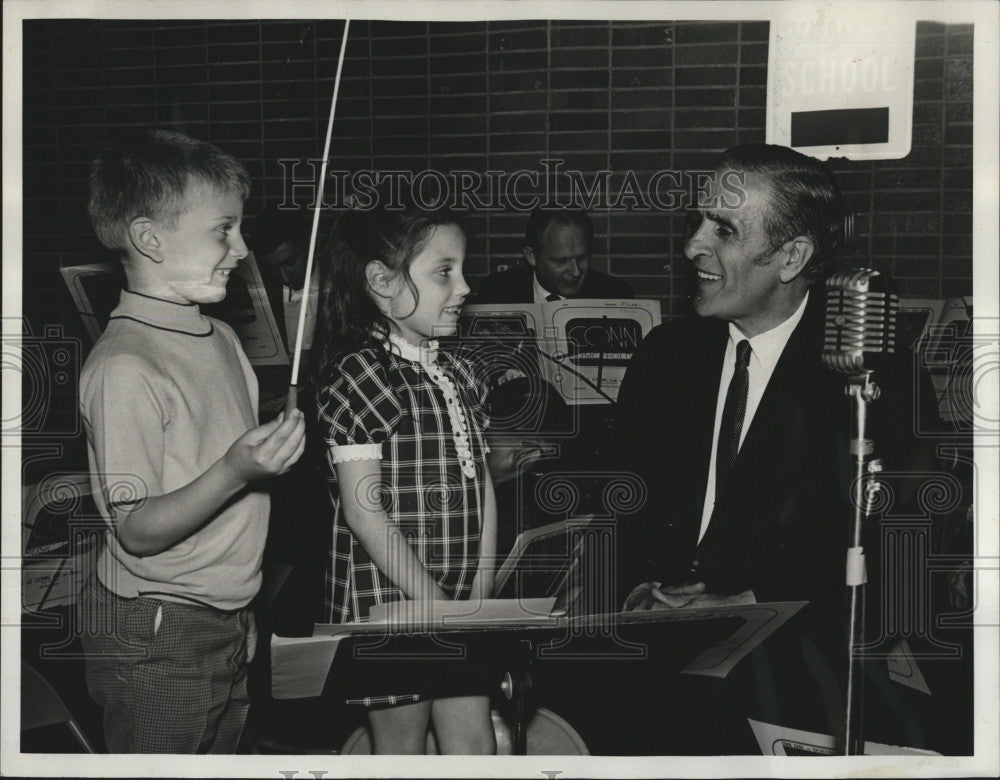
{"x":548,"y":735}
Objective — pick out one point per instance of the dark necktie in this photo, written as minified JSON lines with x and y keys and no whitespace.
{"x":552,"y":297}
{"x":732,"y":418}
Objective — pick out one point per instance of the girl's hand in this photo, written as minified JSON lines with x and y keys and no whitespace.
{"x":509,"y":460}
{"x":267,"y":450}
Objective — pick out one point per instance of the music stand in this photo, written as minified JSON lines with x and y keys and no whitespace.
{"x":373,"y":659}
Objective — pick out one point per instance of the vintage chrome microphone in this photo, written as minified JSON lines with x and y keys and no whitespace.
{"x":860,"y":334}
{"x":860,"y":321}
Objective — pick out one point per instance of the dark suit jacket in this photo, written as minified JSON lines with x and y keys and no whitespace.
{"x":782,"y":526}
{"x":515,"y":286}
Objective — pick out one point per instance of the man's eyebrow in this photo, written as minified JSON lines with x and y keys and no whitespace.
{"x":720,"y":220}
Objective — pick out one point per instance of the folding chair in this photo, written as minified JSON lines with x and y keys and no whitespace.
{"x":42,"y":706}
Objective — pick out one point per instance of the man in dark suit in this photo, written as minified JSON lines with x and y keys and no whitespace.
{"x":758,"y":508}
{"x":557,"y":245}
{"x":741,"y":434}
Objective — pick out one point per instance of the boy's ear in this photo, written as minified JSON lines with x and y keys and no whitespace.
{"x":142,"y":234}
{"x":380,"y":278}
{"x":798,"y":252}
{"x":529,"y":256}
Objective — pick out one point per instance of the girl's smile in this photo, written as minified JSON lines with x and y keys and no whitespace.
{"x":430,"y":308}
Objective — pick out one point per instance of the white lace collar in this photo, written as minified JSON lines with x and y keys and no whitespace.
{"x":426,"y":353}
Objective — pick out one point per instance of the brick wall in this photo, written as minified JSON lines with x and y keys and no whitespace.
{"x":615,"y":96}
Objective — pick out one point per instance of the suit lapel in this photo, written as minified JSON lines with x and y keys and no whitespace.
{"x":702,"y":393}
{"x":707,"y":395}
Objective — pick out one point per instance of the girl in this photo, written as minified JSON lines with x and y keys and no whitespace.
{"x":414,"y":510}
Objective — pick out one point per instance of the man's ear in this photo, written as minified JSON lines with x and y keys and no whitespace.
{"x":142,"y":234}
{"x":380,"y":279}
{"x":798,"y":252}
{"x":529,"y":256}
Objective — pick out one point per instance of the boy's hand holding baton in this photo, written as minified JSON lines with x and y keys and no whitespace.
{"x":268,"y":450}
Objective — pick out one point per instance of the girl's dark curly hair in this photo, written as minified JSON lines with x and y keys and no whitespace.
{"x":348,"y":317}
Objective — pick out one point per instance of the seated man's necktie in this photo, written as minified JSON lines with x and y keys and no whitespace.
{"x":732,"y":418}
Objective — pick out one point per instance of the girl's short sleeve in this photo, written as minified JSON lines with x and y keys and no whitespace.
{"x":358,"y":409}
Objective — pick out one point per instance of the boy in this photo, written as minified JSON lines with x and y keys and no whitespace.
{"x":169,"y":402}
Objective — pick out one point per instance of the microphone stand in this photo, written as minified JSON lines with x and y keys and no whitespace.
{"x":864,"y":489}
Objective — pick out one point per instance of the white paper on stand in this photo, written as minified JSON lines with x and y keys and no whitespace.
{"x":904,"y":670}
{"x":783,"y":741}
{"x":760,"y":621}
{"x":300,"y":665}
{"x":456,"y":614}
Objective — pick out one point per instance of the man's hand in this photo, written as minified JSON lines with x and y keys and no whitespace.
{"x":651,"y":595}
{"x":269,"y":449}
{"x":676,"y":596}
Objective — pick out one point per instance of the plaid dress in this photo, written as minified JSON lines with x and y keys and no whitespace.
{"x":392,"y":406}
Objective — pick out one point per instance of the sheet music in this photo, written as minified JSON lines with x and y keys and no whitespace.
{"x":903,"y":668}
{"x":583,"y":344}
{"x":783,"y":741}
{"x":425,"y":616}
{"x":488,"y":612}
{"x":761,"y":621}
{"x":525,"y":538}
{"x":300,"y":665}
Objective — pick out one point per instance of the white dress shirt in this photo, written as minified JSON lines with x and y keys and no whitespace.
{"x":540,"y":292}
{"x":765,"y":349}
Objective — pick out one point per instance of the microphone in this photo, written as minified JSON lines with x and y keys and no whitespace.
{"x":860,"y":321}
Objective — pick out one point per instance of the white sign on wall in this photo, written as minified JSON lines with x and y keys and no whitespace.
{"x":841,"y":84}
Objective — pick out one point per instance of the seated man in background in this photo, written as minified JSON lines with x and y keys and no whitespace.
{"x":557,"y":243}
{"x":279,"y":239}
{"x":557,"y":246}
